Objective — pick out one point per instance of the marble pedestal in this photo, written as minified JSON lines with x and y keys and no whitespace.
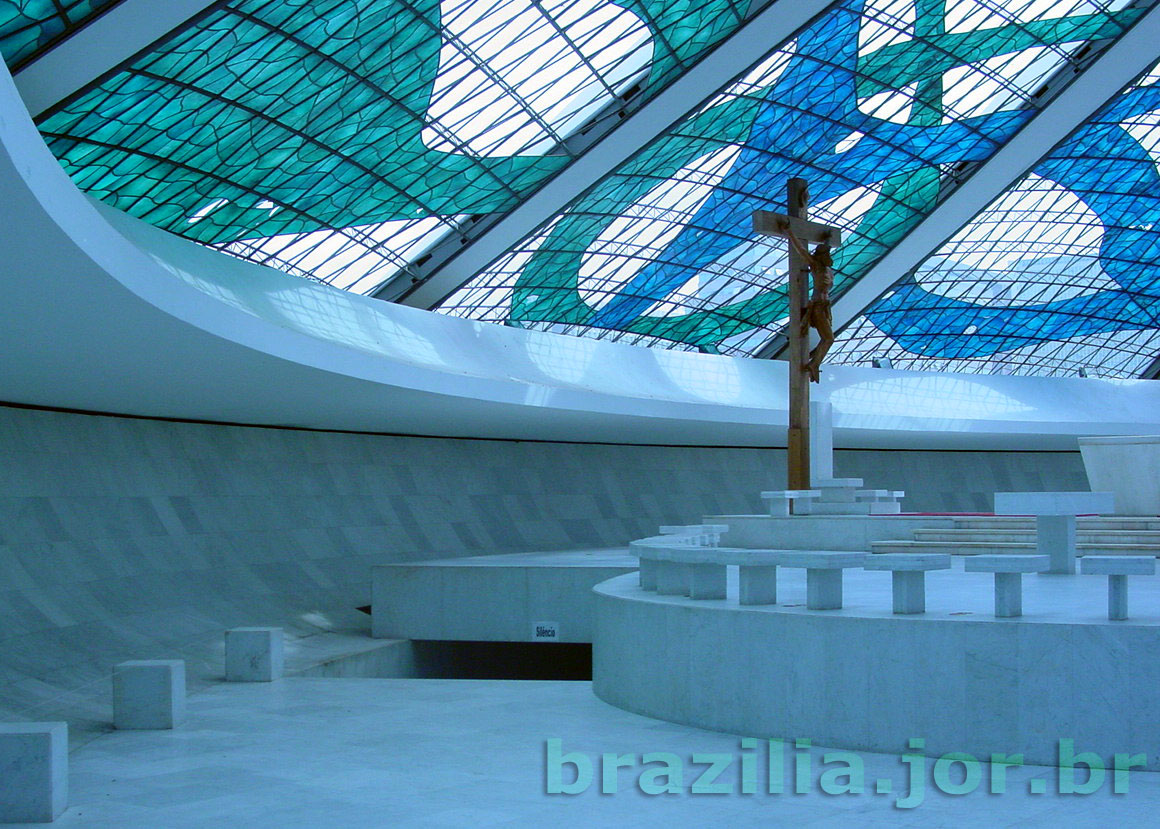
{"x":33,"y":771}
{"x":254,"y":654}
{"x":1055,"y":514}
{"x":149,"y":693}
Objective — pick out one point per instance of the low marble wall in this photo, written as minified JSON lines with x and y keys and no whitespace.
{"x":873,"y":682}
{"x":1129,"y":467}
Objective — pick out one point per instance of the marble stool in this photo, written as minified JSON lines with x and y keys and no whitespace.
{"x":33,"y":771}
{"x":254,"y":654}
{"x":1008,"y":572}
{"x":1117,"y":569}
{"x":909,"y":576}
{"x":149,"y":693}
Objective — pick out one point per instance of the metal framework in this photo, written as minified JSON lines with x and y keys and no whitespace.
{"x":610,"y":140}
{"x":1037,"y":243}
{"x":340,"y":139}
{"x":29,"y":28}
{"x":882,"y":106}
{"x":84,"y":54}
{"x":526,"y":162}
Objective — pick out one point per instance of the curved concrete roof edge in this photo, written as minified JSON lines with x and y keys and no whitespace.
{"x":105,"y":313}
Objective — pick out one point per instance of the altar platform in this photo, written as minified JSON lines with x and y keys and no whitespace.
{"x":862,"y":677}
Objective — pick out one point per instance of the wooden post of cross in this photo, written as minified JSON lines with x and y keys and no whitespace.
{"x":796,"y":221}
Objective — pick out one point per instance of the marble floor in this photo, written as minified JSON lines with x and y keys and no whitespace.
{"x":402,"y":752}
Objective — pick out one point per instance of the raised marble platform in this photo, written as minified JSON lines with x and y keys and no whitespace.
{"x":824,"y":532}
{"x":863,"y":677}
{"x":506,"y":598}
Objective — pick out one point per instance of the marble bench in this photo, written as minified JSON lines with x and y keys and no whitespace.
{"x":1008,"y":572}
{"x":1117,"y":569}
{"x":700,"y":572}
{"x":648,"y":564}
{"x":881,"y":501}
{"x":1055,"y":514}
{"x":696,"y":572}
{"x":704,"y":534}
{"x":908,"y":576}
{"x":780,"y":500}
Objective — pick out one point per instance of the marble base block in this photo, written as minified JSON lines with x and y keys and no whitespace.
{"x":648,"y":574}
{"x":1055,"y":538}
{"x":909,"y":591}
{"x":33,"y":771}
{"x":672,"y":579}
{"x":1008,"y":594}
{"x":757,"y":585}
{"x":707,"y":581}
{"x":148,"y":694}
{"x":823,"y":589}
{"x":254,"y":654}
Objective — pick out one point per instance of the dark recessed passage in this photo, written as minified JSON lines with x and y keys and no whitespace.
{"x":503,"y":660}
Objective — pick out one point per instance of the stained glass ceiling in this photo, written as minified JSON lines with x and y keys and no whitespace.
{"x":339,"y":139}
{"x":882,"y":105}
{"x":27,"y":27}
{"x":1060,"y":274}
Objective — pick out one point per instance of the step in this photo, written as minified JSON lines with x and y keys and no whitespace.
{"x":975,"y":548}
{"x":1027,"y":535}
{"x":1083,"y":523}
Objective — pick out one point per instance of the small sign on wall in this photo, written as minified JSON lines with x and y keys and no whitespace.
{"x":545,"y":631}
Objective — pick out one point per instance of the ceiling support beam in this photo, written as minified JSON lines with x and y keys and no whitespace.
{"x":1152,"y":372}
{"x":99,"y":47}
{"x":1112,"y":68}
{"x":459,"y":258}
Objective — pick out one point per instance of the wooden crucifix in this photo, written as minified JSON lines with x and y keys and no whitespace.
{"x":796,"y":228}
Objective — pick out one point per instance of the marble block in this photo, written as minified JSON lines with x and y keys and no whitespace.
{"x":149,"y":694}
{"x":648,"y":574}
{"x":757,"y":584}
{"x":1006,"y":564}
{"x":33,"y":771}
{"x":672,"y":578}
{"x":254,"y":654}
{"x":823,"y":589}
{"x":1118,"y":565}
{"x":821,"y":440}
{"x":707,"y":581}
{"x":1054,"y":503}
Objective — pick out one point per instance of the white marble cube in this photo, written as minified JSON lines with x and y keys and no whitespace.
{"x":149,"y":694}
{"x":33,"y":771}
{"x":254,"y":654}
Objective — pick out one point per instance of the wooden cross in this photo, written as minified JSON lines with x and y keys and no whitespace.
{"x":796,"y":221}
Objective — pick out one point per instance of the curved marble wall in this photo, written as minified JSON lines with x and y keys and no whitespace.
{"x":134,"y":538}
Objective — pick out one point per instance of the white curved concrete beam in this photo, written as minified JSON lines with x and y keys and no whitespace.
{"x":100,"y":46}
{"x":102,"y":312}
